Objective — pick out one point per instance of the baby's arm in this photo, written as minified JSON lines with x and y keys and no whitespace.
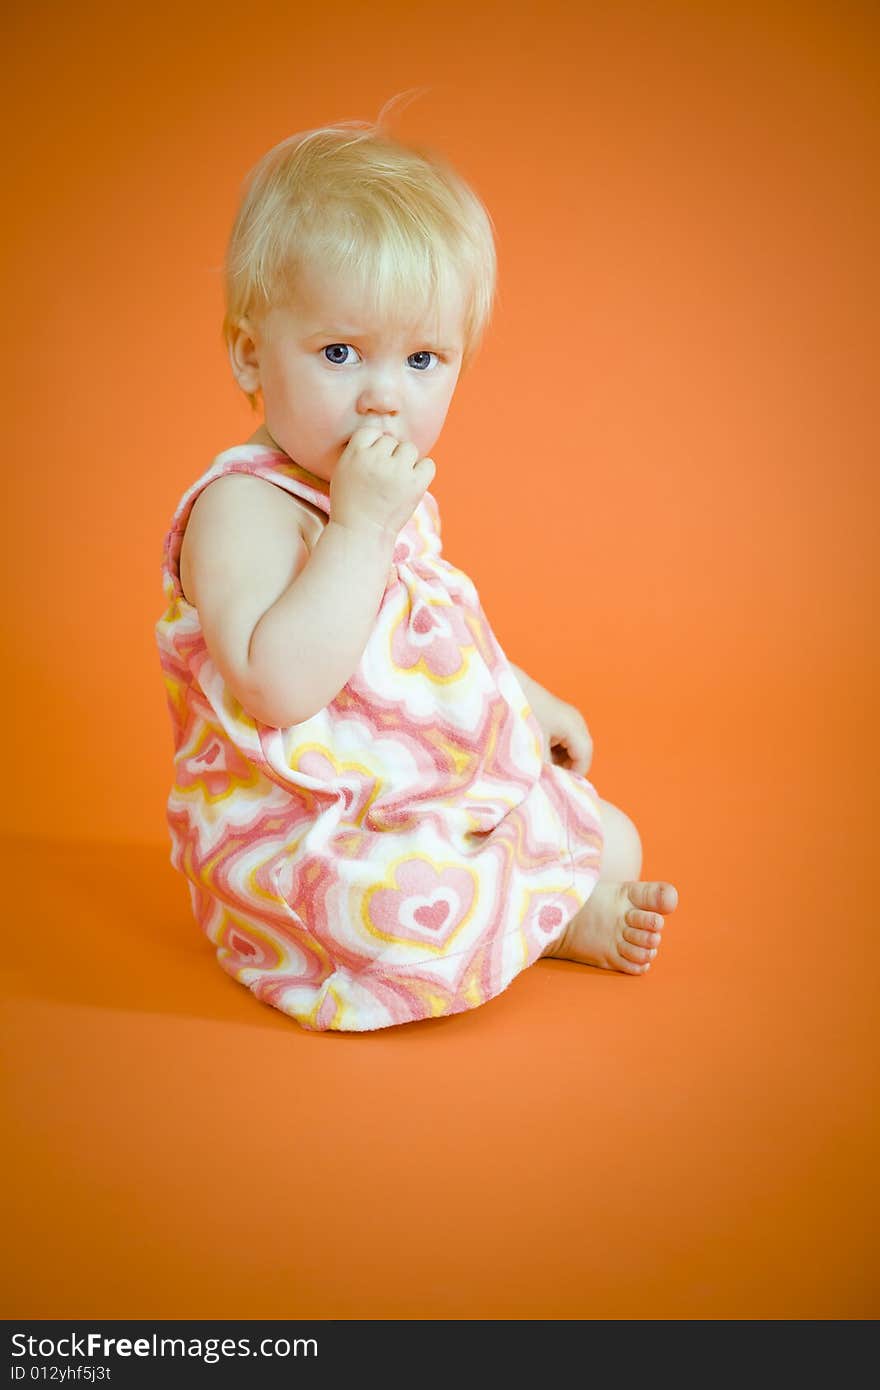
{"x":286,"y":629}
{"x":530,"y":687}
{"x":562,"y":725}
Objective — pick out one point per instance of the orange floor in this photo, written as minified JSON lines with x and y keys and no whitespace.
{"x":698,"y":1143}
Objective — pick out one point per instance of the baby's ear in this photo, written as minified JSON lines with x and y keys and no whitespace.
{"x":243,"y":357}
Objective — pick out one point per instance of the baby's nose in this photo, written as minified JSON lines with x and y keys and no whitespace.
{"x":380,"y":414}
{"x":380,"y":397}
{"x":381,"y":419}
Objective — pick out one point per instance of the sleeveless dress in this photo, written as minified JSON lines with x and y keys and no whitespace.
{"x":405,"y":852}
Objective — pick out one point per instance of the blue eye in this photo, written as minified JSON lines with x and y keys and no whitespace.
{"x":333,"y":347}
{"x":423,"y":354}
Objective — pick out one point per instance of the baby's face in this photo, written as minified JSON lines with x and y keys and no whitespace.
{"x":325,"y":371}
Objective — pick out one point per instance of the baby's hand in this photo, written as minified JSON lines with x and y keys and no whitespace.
{"x":378,"y":482}
{"x":567,"y":740}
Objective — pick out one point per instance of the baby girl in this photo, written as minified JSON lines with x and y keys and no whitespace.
{"x":380,"y":819}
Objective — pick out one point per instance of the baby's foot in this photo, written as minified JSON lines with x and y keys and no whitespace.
{"x":618,"y":927}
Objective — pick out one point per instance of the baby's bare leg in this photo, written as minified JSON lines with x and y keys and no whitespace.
{"x":622,"y":851}
{"x":619,"y":926}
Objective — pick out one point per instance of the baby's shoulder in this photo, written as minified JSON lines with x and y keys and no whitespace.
{"x":239,"y":515}
{"x":232,"y":500}
{"x":238,"y":495}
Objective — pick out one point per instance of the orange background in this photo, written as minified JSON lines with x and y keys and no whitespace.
{"x":661,"y":473}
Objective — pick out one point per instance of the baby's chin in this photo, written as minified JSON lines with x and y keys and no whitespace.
{"x":322,"y":467}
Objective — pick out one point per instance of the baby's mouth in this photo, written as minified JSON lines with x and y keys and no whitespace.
{"x":390,"y":433}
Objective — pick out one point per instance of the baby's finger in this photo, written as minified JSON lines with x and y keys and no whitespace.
{"x":579,"y":765}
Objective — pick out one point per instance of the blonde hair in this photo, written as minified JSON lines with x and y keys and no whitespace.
{"x":352,"y":198}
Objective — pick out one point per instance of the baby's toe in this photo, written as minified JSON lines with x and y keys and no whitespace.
{"x":649,"y":939}
{"x":639,"y":924}
{"x":630,"y":967}
{"x":662,"y":897}
{"x":669,"y":897}
{"x":639,"y":955}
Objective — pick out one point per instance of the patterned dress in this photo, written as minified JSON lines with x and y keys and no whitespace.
{"x":405,"y":852}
